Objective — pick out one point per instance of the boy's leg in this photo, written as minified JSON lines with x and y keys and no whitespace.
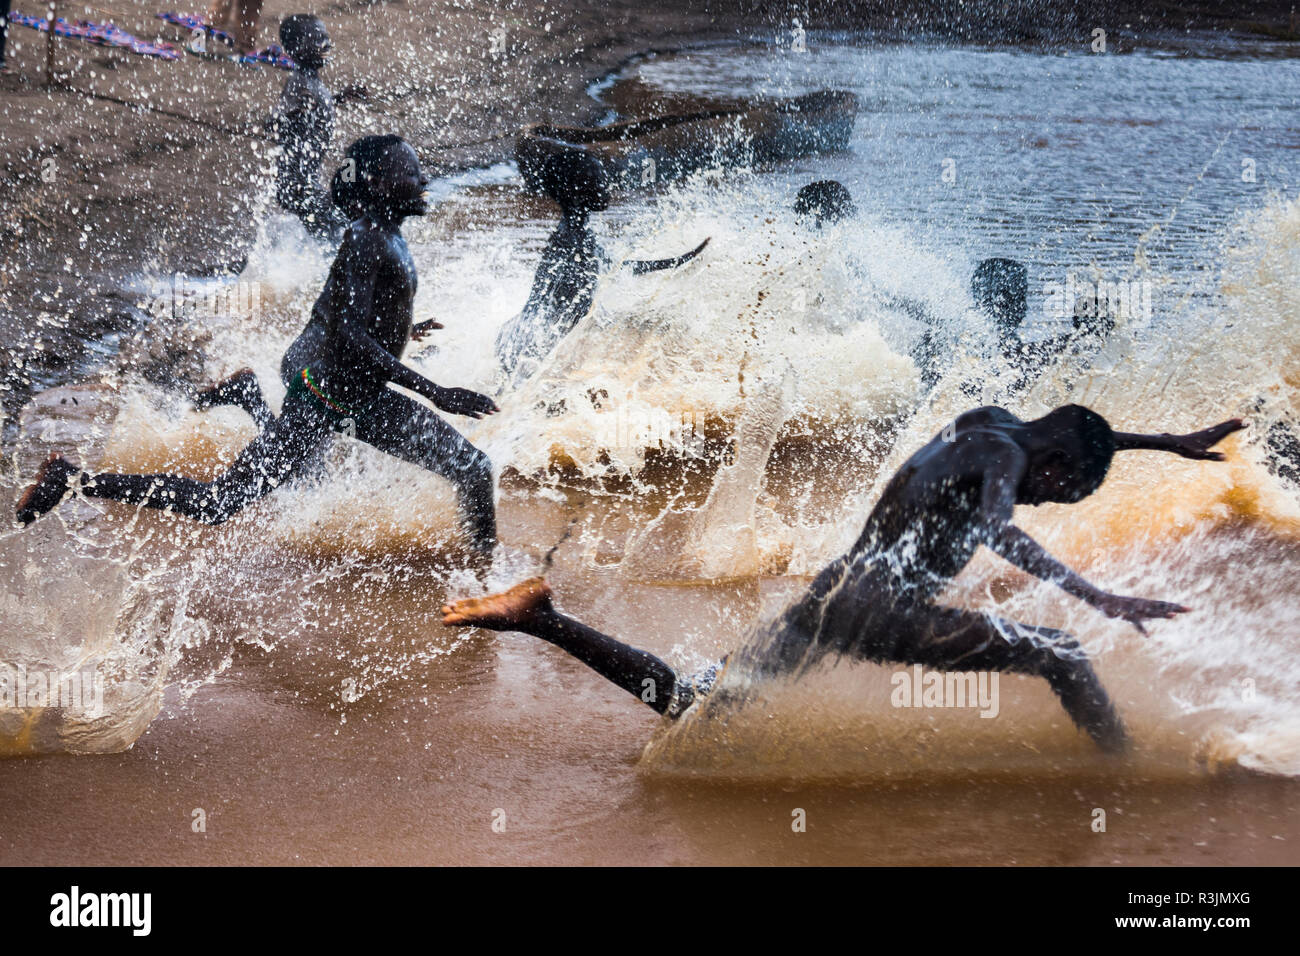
{"x":952,"y":639}
{"x":408,"y":430}
{"x":297,"y":192}
{"x":4,"y":29}
{"x":804,"y":632}
{"x":241,"y":390}
{"x":323,"y":220}
{"x":527,"y":608}
{"x":851,"y":609}
{"x":247,"y":13}
{"x":271,"y":458}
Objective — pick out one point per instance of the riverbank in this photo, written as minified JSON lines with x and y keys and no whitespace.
{"x":131,"y":163}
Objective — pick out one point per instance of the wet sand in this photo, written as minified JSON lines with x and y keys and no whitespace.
{"x":282,"y":784}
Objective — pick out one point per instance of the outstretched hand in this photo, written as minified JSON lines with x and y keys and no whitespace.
{"x":1136,"y":610}
{"x":462,"y":401}
{"x":421,"y":329}
{"x":1197,"y":445}
{"x":356,"y":92}
{"x":694,"y":252}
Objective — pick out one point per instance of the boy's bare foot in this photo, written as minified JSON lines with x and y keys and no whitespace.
{"x":49,"y":488}
{"x":226,"y":391}
{"x":506,"y":611}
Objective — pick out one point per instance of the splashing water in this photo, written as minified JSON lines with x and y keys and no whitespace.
{"x":783,"y":344}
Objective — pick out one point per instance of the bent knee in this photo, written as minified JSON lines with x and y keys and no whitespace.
{"x":1065,"y":670}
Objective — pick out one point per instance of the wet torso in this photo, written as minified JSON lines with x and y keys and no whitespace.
{"x":925,"y":528}
{"x":922,"y":532}
{"x":561,"y":295}
{"x":343,"y":372}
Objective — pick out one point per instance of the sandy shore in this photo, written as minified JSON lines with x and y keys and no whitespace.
{"x":150,"y":164}
{"x":132,"y":163}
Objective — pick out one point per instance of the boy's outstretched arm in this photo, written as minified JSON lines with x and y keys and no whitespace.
{"x":642,"y":266}
{"x":1028,"y":555}
{"x":1002,"y":476}
{"x":356,"y":92}
{"x":1195,"y":445}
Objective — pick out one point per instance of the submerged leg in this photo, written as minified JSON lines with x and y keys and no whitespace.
{"x":957,"y":640}
{"x":408,"y":430}
{"x":240,"y":390}
{"x":527,"y":608}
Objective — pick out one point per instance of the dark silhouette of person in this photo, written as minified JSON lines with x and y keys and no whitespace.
{"x":565,"y":281}
{"x":1000,"y":289}
{"x":304,"y":128}
{"x":824,"y":201}
{"x":877,"y":602}
{"x":349,"y":357}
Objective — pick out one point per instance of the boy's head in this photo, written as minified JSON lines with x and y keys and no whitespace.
{"x":576,"y":180}
{"x":305,"y":39}
{"x":824,"y":201}
{"x":1069,"y":457}
{"x":382,"y":176}
{"x":1000,"y":287}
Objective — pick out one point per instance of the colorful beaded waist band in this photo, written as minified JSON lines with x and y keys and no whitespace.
{"x":309,"y":383}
